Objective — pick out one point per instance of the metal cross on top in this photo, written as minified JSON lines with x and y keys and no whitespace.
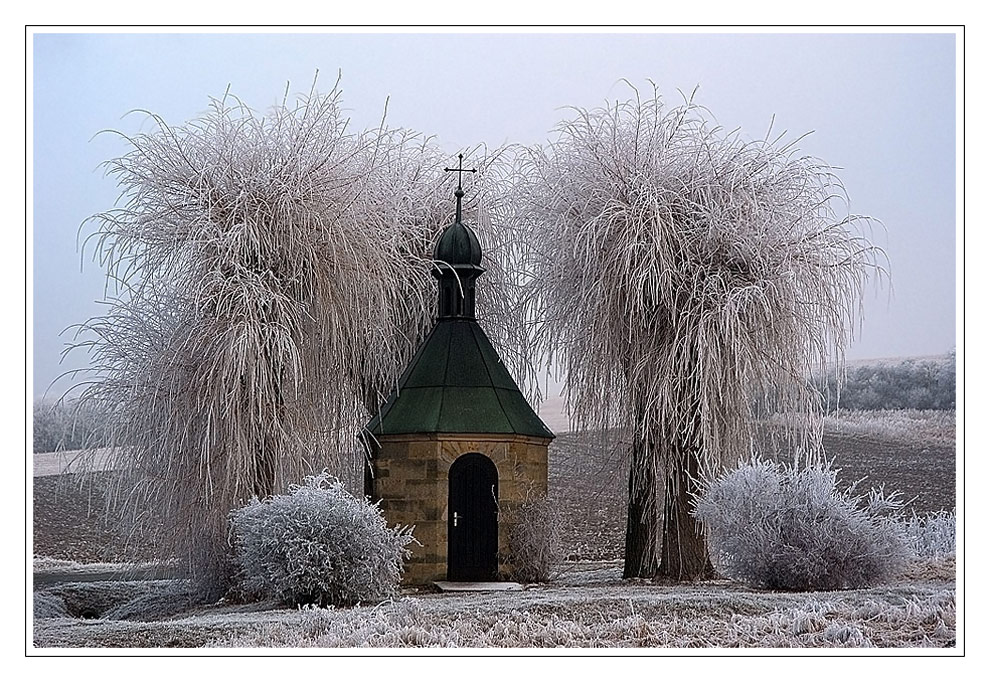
{"x":460,"y":192}
{"x":461,"y":169}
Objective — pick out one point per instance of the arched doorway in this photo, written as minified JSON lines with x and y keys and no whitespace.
{"x":472,"y":519}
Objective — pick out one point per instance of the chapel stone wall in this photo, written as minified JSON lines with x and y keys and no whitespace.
{"x":411,"y":478}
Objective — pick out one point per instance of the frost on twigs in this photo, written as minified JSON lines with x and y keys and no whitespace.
{"x":535,"y":540}
{"x":784,"y":527}
{"x":684,"y":279}
{"x":318,"y":544}
{"x":269,"y":277}
{"x":933,"y":535}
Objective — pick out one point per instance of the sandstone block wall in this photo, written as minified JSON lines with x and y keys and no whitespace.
{"x":411,"y":480}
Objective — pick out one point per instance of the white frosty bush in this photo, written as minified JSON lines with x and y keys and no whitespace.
{"x":318,"y":544}
{"x":784,"y":527}
{"x":932,"y":536}
{"x":535,"y":542}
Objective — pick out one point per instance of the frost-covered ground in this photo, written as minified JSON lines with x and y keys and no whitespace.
{"x":927,"y":427}
{"x":69,"y":462}
{"x":932,"y":427}
{"x":590,"y":607}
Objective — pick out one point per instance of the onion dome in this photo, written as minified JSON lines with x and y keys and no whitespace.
{"x":457,"y":260}
{"x":458,"y":245}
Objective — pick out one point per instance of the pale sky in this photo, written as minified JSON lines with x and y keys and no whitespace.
{"x":882,"y":107}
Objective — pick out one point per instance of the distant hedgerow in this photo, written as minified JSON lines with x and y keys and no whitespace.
{"x":914,"y":384}
{"x":67,"y":426}
{"x":318,"y":544}
{"x":783,"y":527}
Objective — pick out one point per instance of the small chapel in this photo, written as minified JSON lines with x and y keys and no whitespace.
{"x":456,"y":448}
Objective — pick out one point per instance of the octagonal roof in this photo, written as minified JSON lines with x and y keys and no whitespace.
{"x":456,"y":383}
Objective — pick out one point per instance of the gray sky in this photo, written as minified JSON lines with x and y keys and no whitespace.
{"x":882,"y":107}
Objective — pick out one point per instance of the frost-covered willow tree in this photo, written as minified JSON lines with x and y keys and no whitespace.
{"x":680,"y":278}
{"x":274,"y":280}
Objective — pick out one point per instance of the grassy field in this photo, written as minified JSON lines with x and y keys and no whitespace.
{"x":589,"y":606}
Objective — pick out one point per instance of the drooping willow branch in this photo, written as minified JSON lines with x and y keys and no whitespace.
{"x":276,"y":280}
{"x":682,"y":277}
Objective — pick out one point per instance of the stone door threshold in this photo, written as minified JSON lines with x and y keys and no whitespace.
{"x":446,"y":586}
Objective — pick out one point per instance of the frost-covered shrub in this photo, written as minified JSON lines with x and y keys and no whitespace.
{"x":535,"y":542}
{"x":318,"y":544}
{"x":783,"y":527}
{"x":932,"y":536}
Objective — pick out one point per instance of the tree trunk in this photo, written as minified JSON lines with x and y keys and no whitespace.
{"x":684,"y":550}
{"x":662,"y":538}
{"x":264,"y":464}
{"x":642,"y":560}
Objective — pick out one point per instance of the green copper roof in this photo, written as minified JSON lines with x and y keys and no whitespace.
{"x":458,"y":245}
{"x":456,"y":383}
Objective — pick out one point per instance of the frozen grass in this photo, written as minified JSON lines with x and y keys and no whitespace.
{"x":594,"y":610}
{"x":935,"y":426}
{"x":49,"y":605}
{"x":932,"y":536}
{"x":930,"y":568}
{"x":149,"y":600}
{"x":45,"y":564}
{"x":687,"y":620}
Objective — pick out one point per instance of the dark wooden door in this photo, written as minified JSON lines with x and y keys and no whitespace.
{"x":472,"y":519}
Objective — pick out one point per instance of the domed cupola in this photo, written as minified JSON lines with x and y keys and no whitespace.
{"x":457,"y":261}
{"x":458,"y":245}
